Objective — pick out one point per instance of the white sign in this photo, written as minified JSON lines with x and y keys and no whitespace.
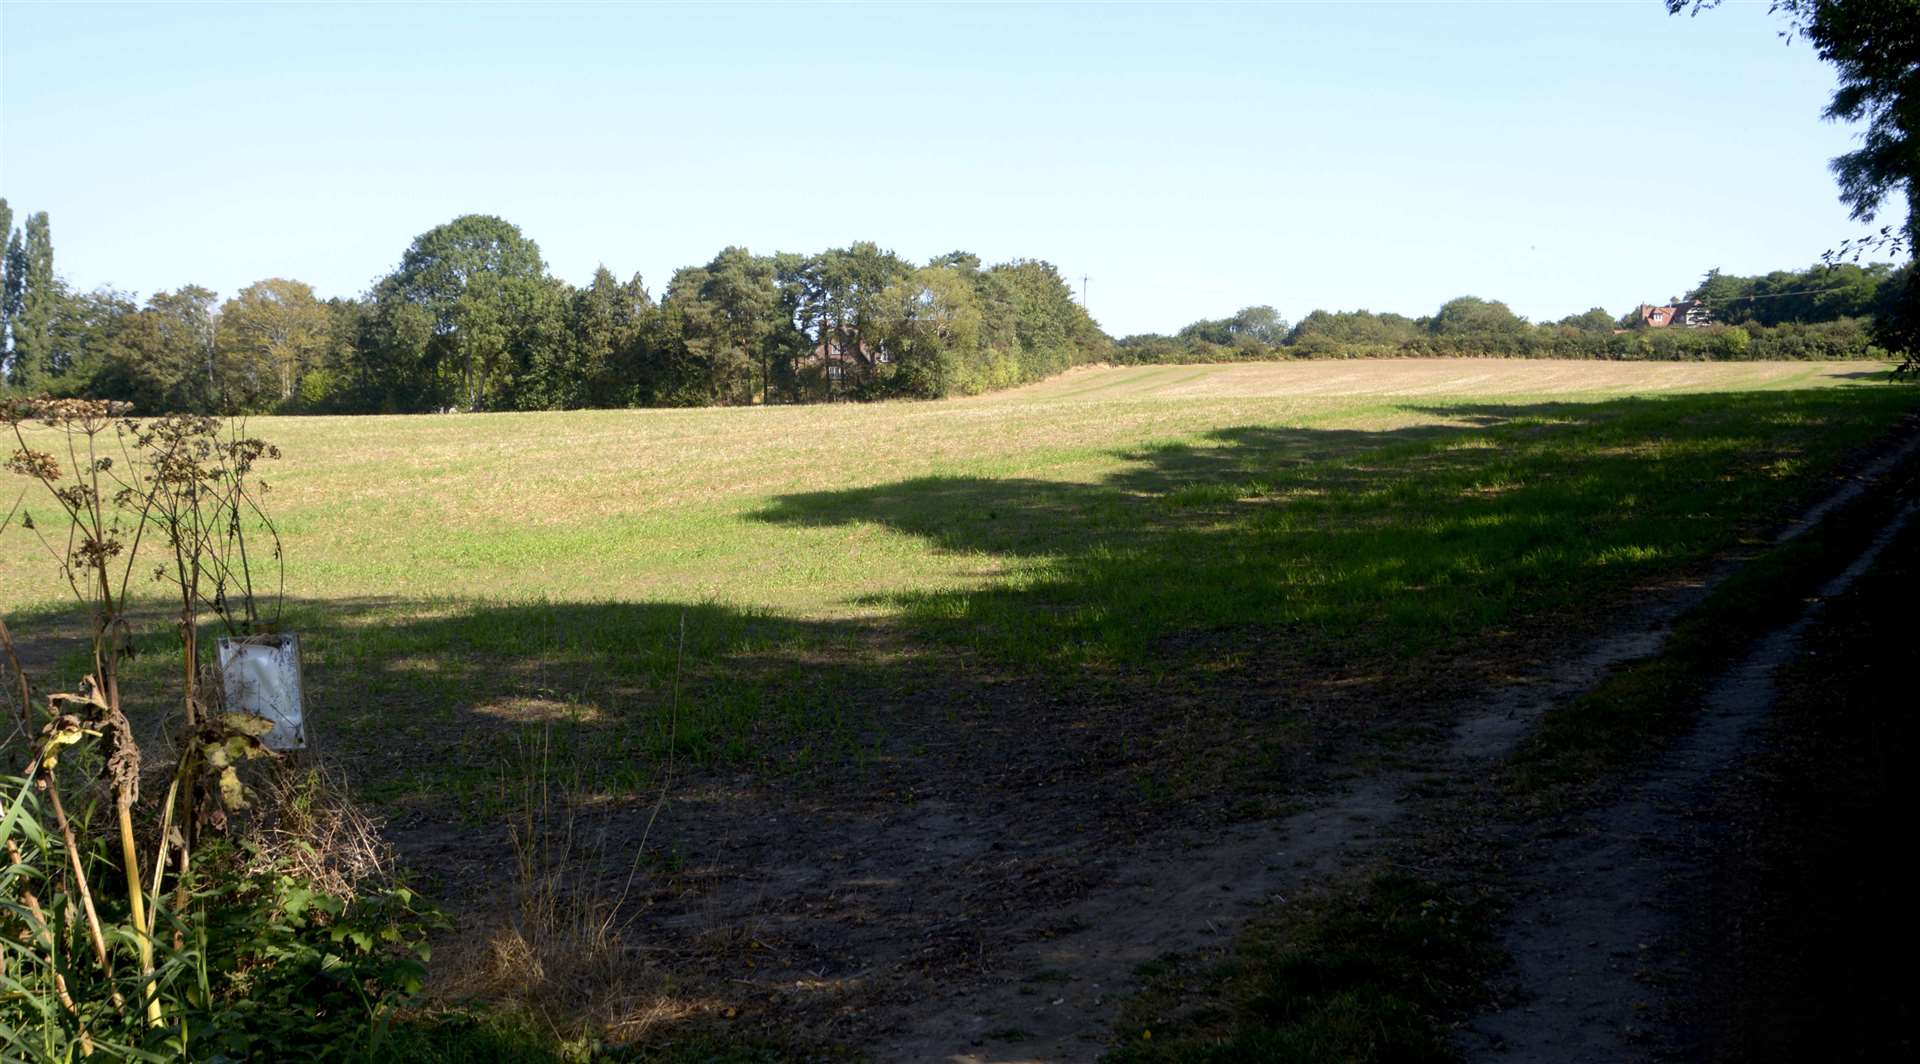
{"x":262,"y":676}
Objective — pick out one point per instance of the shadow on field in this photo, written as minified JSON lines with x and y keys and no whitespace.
{"x":1266,"y":573}
{"x":1326,"y":543}
{"x":1222,"y":620}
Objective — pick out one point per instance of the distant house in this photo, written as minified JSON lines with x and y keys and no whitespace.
{"x":1684,"y":314}
{"x":839,"y":365}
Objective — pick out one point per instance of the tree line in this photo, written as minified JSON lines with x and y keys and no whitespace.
{"x":471,"y":319}
{"x":1827,"y":311}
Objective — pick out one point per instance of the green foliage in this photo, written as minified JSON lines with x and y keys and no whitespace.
{"x":1487,"y":321}
{"x":285,"y":969}
{"x":603,"y":365}
{"x":455,"y":320}
{"x":1052,"y":330}
{"x":728,"y":312}
{"x":1874,"y":46}
{"x":253,"y":960}
{"x":470,"y":320}
{"x":1819,"y":293}
{"x":33,"y":298}
{"x":256,"y":964}
{"x":1469,"y":327}
{"x":1596,"y":320}
{"x":159,"y":358}
{"x":271,"y":336}
{"x":7,"y":301}
{"x":930,"y":324}
{"x":1252,"y":327}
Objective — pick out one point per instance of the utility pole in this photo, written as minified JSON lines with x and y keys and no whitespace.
{"x":1083,"y":291}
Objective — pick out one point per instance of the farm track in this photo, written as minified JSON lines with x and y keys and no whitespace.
{"x":1189,"y":891}
{"x":1606,"y":937}
{"x":1579,"y":941}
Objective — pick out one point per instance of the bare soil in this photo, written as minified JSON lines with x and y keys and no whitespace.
{"x":990,"y":897}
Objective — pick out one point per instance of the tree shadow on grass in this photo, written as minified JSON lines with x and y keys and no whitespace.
{"x":1393,"y":541}
{"x":1277,"y":570}
{"x":1218,"y":619}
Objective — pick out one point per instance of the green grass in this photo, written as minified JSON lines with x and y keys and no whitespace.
{"x":1376,"y":968}
{"x":1349,"y":530}
{"x":1578,"y":746}
{"x":1228,"y":566}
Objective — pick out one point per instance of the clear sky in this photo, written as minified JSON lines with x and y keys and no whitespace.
{"x":1189,"y":159}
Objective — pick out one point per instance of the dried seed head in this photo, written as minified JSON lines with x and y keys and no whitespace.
{"x":36,"y":464}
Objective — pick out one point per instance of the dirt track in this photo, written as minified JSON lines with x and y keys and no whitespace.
{"x":1613,"y":902}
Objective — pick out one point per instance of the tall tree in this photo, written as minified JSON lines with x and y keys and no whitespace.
{"x":332,"y":380}
{"x":450,"y":276}
{"x":160,"y":359}
{"x":1595,"y":320}
{"x":39,"y":303}
{"x":728,"y":313}
{"x":607,"y":320}
{"x":1250,"y":329}
{"x":740,"y":286}
{"x":270,"y":334}
{"x":85,"y":336}
{"x":6,"y":291}
{"x":928,"y":326}
{"x":840,"y":298}
{"x":1052,"y":328}
{"x":13,"y":295}
{"x":1473,"y":316}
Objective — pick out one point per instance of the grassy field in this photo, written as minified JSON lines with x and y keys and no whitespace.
{"x":1328,"y":522}
{"x":744,"y":506}
{"x":1116,"y":601}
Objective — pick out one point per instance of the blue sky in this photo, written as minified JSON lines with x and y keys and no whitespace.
{"x":1190,"y":159}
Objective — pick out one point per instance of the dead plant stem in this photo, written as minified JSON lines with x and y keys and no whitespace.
{"x":79,"y":873}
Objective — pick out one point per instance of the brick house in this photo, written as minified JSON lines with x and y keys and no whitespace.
{"x":1683,"y":314}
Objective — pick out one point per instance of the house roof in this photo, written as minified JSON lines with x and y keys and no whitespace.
{"x":1687,"y":314}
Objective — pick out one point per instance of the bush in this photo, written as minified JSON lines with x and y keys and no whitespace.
{"x":220,"y":921}
{"x":250,"y":961}
{"x":1362,"y":335}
